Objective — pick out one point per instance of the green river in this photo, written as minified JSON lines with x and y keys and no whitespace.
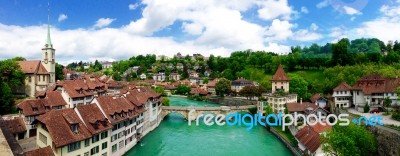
{"x":175,"y":137}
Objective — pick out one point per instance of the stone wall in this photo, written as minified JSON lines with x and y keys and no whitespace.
{"x":229,"y":101}
{"x":388,"y":140}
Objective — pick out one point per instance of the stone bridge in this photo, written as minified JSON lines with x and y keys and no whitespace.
{"x":184,"y":110}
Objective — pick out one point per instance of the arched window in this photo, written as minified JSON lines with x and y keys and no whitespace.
{"x":46,"y":55}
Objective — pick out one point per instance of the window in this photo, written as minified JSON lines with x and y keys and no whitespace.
{"x":74,"y":146}
{"x":43,"y":138}
{"x":74,"y":128}
{"x":121,"y":144}
{"x":87,"y":142}
{"x":43,"y":78}
{"x":104,"y":145}
{"x":30,"y":79}
{"x":95,"y":138}
{"x":35,"y":109}
{"x":114,"y":137}
{"x":114,"y":148}
{"x":86,"y":154}
{"x":104,"y":135}
{"x":38,"y":77}
{"x":94,"y":150}
{"x":104,"y":154}
{"x":120,"y":134}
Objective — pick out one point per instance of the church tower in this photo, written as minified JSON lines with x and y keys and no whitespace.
{"x":48,"y":54}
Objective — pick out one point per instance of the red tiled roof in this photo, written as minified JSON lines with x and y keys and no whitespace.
{"x":212,"y":83}
{"x":280,"y":75}
{"x":375,"y":83}
{"x":58,"y":124}
{"x":54,"y":98}
{"x":28,"y":107}
{"x":42,"y":69}
{"x":342,"y":87}
{"x":29,"y":67}
{"x":46,"y":151}
{"x":319,"y":128}
{"x":297,"y":107}
{"x":76,"y":88}
{"x":93,"y":118}
{"x":315,"y":97}
{"x":16,"y":125}
{"x":119,"y":107}
{"x":309,"y":138}
{"x":199,"y":91}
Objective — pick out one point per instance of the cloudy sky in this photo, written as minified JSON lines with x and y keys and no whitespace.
{"x":113,"y":30}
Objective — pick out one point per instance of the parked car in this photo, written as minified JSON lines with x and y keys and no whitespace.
{"x":375,"y":111}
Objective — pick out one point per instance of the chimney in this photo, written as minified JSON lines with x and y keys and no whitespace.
{"x":301,"y":100}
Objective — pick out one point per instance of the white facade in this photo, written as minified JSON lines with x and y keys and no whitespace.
{"x":342,"y":98}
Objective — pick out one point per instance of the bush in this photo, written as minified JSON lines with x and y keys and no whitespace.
{"x":366,"y":108}
{"x":253,"y":110}
{"x":396,"y":116}
{"x":165,"y":101}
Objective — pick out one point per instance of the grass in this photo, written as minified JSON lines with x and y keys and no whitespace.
{"x":287,"y":135}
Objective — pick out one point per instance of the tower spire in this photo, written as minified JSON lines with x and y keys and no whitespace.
{"x":48,"y":42}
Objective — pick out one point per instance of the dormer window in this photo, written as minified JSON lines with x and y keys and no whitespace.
{"x":114,"y":116}
{"x":74,"y":128}
{"x":35,"y":109}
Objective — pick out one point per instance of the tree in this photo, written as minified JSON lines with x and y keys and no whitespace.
{"x":299,"y":86}
{"x":183,"y":89}
{"x":340,"y":52}
{"x":353,"y":139}
{"x":386,"y":103}
{"x":97,"y":66}
{"x":59,"y":72}
{"x":11,"y":76}
{"x":205,"y":80}
{"x":366,"y":108}
{"x":159,"y":90}
{"x":116,"y":76}
{"x":249,"y":91}
{"x":165,"y":101}
{"x":223,"y":87}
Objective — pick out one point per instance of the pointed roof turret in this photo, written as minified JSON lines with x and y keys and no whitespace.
{"x":280,"y":75}
{"x":48,"y":41}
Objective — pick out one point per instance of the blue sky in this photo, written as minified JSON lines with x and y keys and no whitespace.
{"x":113,"y":30}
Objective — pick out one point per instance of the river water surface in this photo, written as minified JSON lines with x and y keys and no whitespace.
{"x":174,"y":137}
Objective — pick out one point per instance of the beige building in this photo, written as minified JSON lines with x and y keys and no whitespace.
{"x":278,"y":100}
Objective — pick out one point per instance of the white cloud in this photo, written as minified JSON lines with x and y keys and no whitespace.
{"x":218,"y":25}
{"x":351,"y":11}
{"x":314,"y":27}
{"x":133,"y":6}
{"x":62,"y":17}
{"x":272,"y":9}
{"x":306,"y":35}
{"x":384,"y":26}
{"x":352,"y":18}
{"x":279,"y":30}
{"x":103,"y":22}
{"x":304,"y":10}
{"x":192,"y":28}
{"x":323,"y":4}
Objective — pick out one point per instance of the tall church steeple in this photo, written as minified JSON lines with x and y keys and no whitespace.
{"x":48,"y":53}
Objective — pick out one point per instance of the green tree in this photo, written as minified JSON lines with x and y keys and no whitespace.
{"x":165,"y":101}
{"x":159,"y":89}
{"x":299,"y":86}
{"x":249,"y":91}
{"x":11,"y":76}
{"x":340,"y":54}
{"x":59,"y":72}
{"x":386,"y":103}
{"x":116,"y":76}
{"x":354,"y":139}
{"x":223,"y":87}
{"x":366,"y":108}
{"x":205,"y":80}
{"x":183,"y":89}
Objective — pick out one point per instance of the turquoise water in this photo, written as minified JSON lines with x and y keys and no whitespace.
{"x":178,"y":101}
{"x":174,"y":137}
